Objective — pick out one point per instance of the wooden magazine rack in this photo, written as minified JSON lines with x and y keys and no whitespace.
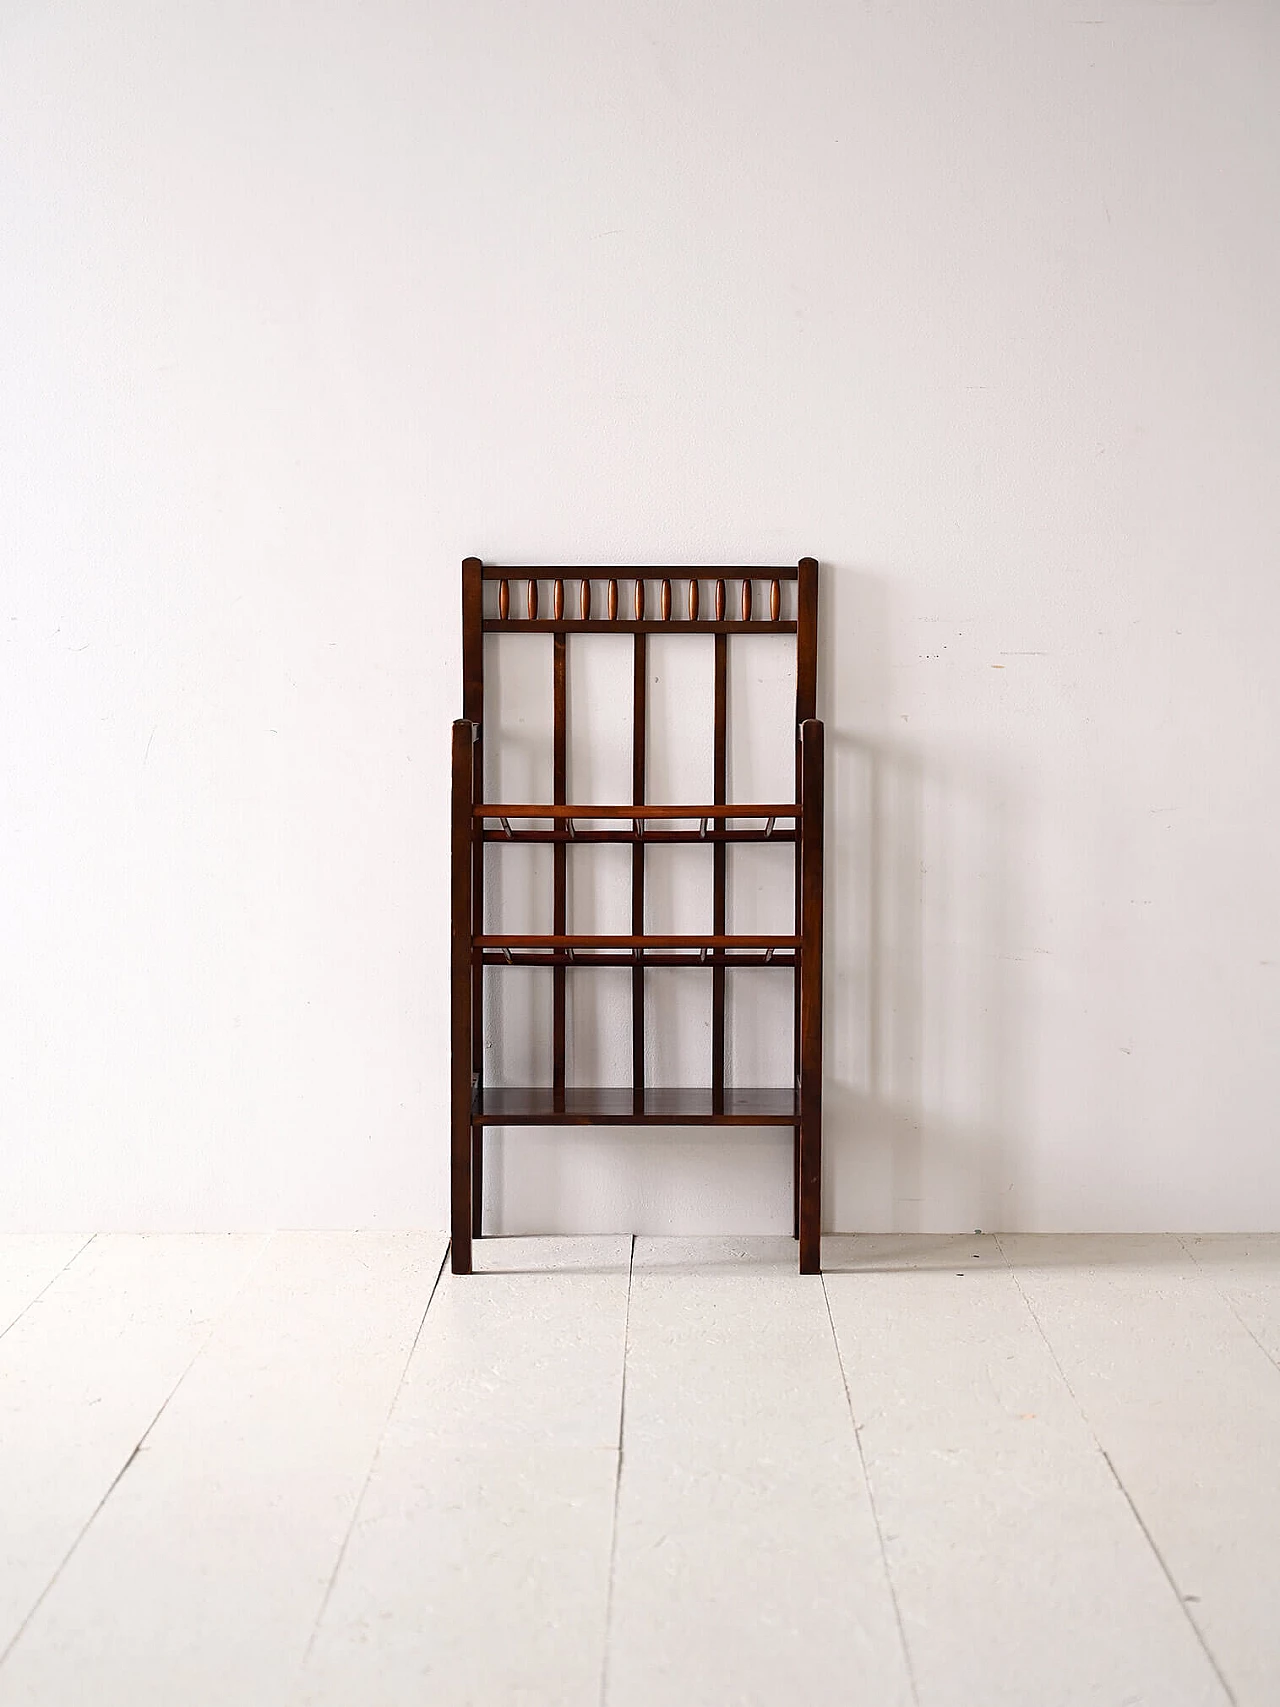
{"x":564,"y":602}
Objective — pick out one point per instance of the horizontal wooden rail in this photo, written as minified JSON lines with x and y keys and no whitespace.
{"x":689,"y":942}
{"x":593,"y":958}
{"x":651,"y":1105}
{"x":548,"y":810}
{"x":677,"y":625}
{"x":620,"y":572}
{"x":628,"y":838}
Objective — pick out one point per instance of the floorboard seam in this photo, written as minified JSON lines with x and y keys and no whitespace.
{"x":1150,"y":1540}
{"x":871,"y":1500}
{"x":53,"y":1278}
{"x":129,"y":1462}
{"x":1227,"y":1300}
{"x":617,"y":1482}
{"x":1115,"y":1475}
{"x":373,"y":1464}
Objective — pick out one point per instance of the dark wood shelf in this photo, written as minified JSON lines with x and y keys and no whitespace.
{"x":562,"y":824}
{"x":607,"y":1105}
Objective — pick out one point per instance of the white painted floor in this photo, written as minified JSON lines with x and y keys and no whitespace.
{"x":316,"y":1469}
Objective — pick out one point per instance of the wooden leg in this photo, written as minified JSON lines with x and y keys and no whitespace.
{"x":461,"y":973}
{"x":477,"y":1182}
{"x":795,"y":1183}
{"x":811,"y":1194}
{"x":811,"y":810}
{"x":460,"y":1251}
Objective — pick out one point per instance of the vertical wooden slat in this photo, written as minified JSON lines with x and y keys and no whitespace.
{"x":504,"y":599}
{"x":613,"y":601}
{"x":693,"y":601}
{"x":719,"y":780}
{"x":664,"y":601}
{"x":461,"y":979}
{"x":559,"y":852}
{"x":639,"y":714}
{"x":586,"y":599}
{"x":557,"y":598}
{"x":811,"y":833}
{"x":532,"y":601}
{"x":719,"y":601}
{"x":639,"y":599}
{"x":473,"y":711}
{"x":746,"y":598}
{"x":775,"y":599}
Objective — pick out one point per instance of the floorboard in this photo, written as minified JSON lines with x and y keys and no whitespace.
{"x":1021,"y":1573}
{"x":1186,"y":1404}
{"x":1245,"y":1270}
{"x":748,"y":1568}
{"x":201,"y":1578}
{"x":606,"y":1471}
{"x":478,"y":1567}
{"x":83,"y":1373}
{"x":28,"y":1263}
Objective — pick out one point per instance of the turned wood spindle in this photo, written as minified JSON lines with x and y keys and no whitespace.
{"x":665,"y":601}
{"x":746,"y":599}
{"x":639,"y":599}
{"x":693,"y":601}
{"x":719,"y":601}
{"x":775,"y":600}
{"x":504,"y":599}
{"x":557,"y":598}
{"x":586,"y":599}
{"x":613,"y":601}
{"x":533,"y":600}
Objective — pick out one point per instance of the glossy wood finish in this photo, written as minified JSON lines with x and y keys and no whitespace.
{"x":637,"y":940}
{"x":810,"y":980}
{"x":473,"y":711}
{"x":652,"y":1105}
{"x":639,"y":730}
{"x":641,"y":625}
{"x":690,"y":837}
{"x":719,"y":775}
{"x":648,"y":572}
{"x":461,"y":980}
{"x":558,"y":823}
{"x":717,"y":809}
{"x":806,"y":708}
{"x":560,"y":850}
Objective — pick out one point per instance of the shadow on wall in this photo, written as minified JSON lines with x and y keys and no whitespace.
{"x":924,"y":1041}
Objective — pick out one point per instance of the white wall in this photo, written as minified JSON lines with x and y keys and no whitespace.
{"x":974,"y":302}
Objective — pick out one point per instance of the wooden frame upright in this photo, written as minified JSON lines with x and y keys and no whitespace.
{"x":476,"y":822}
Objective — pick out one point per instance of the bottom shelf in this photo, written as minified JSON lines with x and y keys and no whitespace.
{"x":656,"y":1105}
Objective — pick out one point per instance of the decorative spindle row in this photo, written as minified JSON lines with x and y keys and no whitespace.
{"x":720,"y":597}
